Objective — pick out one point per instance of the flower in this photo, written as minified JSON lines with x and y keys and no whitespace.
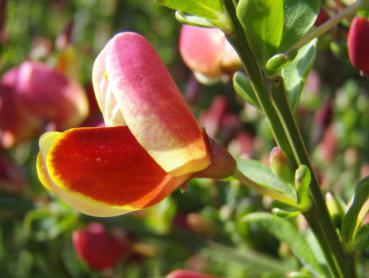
{"x":358,"y":44}
{"x":99,"y":249}
{"x":150,"y":146}
{"x":34,"y":94}
{"x":206,"y":51}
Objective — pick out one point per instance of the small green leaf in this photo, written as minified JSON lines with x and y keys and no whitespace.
{"x":211,"y":10}
{"x":244,"y":89}
{"x":275,"y":63}
{"x":296,"y":72}
{"x":302,"y":183}
{"x":362,"y":238}
{"x":264,"y":177}
{"x":299,"y":17}
{"x":193,"y":20}
{"x":263,"y":23}
{"x":356,"y":213}
{"x":286,"y":232}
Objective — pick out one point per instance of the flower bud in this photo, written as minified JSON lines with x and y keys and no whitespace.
{"x":207,"y":51}
{"x":281,"y":166}
{"x":322,"y":17}
{"x":358,"y":44}
{"x":99,"y":249}
{"x":336,"y":210}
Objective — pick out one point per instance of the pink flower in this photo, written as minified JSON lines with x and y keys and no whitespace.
{"x":358,"y":44}
{"x":35,"y":94}
{"x":207,"y":51}
{"x":99,"y":249}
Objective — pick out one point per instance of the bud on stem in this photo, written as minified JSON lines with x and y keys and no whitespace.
{"x":281,"y":166}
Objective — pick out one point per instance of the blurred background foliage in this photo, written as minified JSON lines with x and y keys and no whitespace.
{"x":200,"y":228}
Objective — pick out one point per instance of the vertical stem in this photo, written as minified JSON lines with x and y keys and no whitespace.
{"x":288,"y":137}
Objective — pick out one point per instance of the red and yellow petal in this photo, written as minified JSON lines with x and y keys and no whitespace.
{"x":130,"y":79}
{"x":102,"y":171}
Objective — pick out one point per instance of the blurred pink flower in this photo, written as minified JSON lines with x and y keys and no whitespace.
{"x":11,"y":177}
{"x":99,"y":249}
{"x":34,"y":94}
{"x":207,"y":51}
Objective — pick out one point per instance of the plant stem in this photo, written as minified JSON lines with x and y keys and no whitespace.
{"x":328,"y":25}
{"x":319,"y":211}
{"x":288,"y":137}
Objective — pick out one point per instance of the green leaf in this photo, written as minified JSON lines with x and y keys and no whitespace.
{"x":264,"y":178}
{"x":296,"y":72}
{"x":286,"y":232}
{"x":209,"y":9}
{"x":356,"y":213}
{"x":362,"y":238}
{"x":256,"y":263}
{"x":263,"y":24}
{"x":299,"y":17}
{"x":193,"y":20}
{"x":244,"y":89}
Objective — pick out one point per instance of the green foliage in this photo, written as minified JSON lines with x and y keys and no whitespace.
{"x":264,"y":177}
{"x":243,"y":88}
{"x":286,"y":232}
{"x":193,"y":20}
{"x":356,"y":213}
{"x":263,"y":24}
{"x":275,"y":26}
{"x":209,"y":9}
{"x":296,"y":72}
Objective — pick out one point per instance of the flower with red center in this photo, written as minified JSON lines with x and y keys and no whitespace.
{"x":207,"y":52}
{"x":99,"y":249}
{"x":34,"y":94}
{"x":358,"y":44}
{"x":150,"y":146}
{"x":182,"y":273}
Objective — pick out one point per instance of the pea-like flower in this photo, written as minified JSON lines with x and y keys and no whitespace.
{"x":207,"y":52}
{"x":33,"y":94}
{"x":358,"y":44}
{"x":150,"y":146}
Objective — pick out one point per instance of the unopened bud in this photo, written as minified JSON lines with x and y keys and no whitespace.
{"x":302,"y":184}
{"x":280,"y":165}
{"x":276,"y":63}
{"x":335,"y":209}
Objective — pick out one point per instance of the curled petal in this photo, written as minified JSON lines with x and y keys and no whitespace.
{"x":102,"y":171}
{"x":133,"y":87}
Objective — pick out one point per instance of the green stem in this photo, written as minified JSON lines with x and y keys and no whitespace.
{"x":319,"y":211}
{"x":289,"y":139}
{"x":255,"y":72}
{"x":328,"y":25}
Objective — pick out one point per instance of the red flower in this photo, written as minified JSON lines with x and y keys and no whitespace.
{"x":152,"y":143}
{"x":358,"y":44}
{"x":99,"y":249}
